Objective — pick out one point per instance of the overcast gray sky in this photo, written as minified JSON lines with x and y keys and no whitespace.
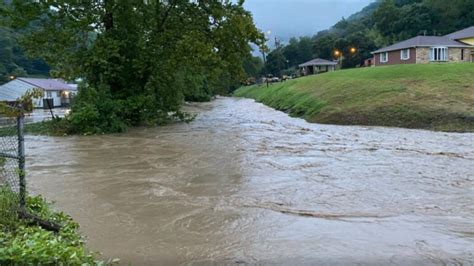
{"x":288,"y":18}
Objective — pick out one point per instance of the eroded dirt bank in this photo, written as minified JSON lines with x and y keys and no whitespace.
{"x":245,"y":184}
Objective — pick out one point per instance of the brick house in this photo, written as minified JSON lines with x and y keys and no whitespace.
{"x":454,"y":47}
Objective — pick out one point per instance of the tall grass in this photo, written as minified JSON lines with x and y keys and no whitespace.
{"x":9,"y":203}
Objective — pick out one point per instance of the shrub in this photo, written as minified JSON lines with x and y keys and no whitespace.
{"x":23,"y":244}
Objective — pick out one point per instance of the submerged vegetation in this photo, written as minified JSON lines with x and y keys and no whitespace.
{"x":435,"y":96}
{"x":24,"y":244}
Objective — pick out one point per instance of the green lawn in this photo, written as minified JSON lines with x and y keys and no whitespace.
{"x":432,"y":96}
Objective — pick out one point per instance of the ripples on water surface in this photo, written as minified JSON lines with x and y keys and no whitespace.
{"x":246,"y":184}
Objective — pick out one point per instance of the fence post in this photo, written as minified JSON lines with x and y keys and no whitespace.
{"x":21,"y":156}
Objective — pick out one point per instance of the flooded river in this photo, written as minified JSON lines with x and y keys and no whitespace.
{"x":244,"y":183}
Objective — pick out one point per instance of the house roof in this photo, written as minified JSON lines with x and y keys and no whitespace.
{"x":13,"y":90}
{"x":423,"y":41}
{"x":318,"y":62}
{"x":48,"y":84}
{"x":462,"y":34}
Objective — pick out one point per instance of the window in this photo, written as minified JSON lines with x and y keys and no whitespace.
{"x":58,"y":94}
{"x":384,"y":57}
{"x":462,"y":54}
{"x":48,"y":94}
{"x":405,"y":54}
{"x":439,"y":54}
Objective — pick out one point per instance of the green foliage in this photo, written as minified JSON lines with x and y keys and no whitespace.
{"x":276,"y":62}
{"x":144,"y":58}
{"x":9,"y":203}
{"x":253,"y":66}
{"x":386,"y":17}
{"x":435,"y":96}
{"x":13,"y":61}
{"x":94,"y":111}
{"x":23,"y":244}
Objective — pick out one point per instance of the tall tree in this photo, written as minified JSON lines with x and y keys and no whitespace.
{"x":253,"y":66}
{"x":139,"y":59}
{"x":276,"y":62}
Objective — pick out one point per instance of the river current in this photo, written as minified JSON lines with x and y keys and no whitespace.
{"x":244,"y":183}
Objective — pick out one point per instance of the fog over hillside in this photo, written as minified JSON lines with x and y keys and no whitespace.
{"x":290,"y":18}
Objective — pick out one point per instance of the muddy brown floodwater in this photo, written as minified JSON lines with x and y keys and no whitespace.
{"x":244,"y":183}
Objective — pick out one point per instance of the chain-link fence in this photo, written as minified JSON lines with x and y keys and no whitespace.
{"x":12,"y":163}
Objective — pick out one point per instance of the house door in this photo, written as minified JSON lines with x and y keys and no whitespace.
{"x":48,"y":103}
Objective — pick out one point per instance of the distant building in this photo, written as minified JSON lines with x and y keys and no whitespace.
{"x":57,"y":93}
{"x":368,"y":62}
{"x":317,"y":66}
{"x":454,"y":47}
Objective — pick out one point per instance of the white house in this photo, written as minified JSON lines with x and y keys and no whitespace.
{"x":57,"y":93}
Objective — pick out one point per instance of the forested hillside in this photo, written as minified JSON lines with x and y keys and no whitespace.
{"x":13,"y":58}
{"x":379,"y":24}
{"x":13,"y":61}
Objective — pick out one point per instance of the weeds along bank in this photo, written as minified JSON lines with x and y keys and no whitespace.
{"x":23,"y":243}
{"x":434,"y":96}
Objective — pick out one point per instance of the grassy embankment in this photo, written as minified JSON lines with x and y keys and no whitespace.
{"x":433,"y":96}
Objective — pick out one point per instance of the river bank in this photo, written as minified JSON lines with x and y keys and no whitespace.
{"x":244,"y":183}
{"x":22,"y":242}
{"x":436,"y":97}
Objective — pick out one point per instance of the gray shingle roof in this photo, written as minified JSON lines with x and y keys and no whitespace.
{"x":423,"y":41}
{"x":462,"y":34}
{"x":318,"y":62}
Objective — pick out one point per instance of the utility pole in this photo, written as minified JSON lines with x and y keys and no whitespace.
{"x":277,"y":43}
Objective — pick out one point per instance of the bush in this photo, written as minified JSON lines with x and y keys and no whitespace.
{"x":95,"y":112}
{"x":22,"y":244}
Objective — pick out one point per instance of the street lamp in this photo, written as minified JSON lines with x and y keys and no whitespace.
{"x":353,"y":50}
{"x":338,"y":55}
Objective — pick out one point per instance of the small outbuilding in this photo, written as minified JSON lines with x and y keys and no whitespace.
{"x":57,"y":93}
{"x":317,"y":66}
